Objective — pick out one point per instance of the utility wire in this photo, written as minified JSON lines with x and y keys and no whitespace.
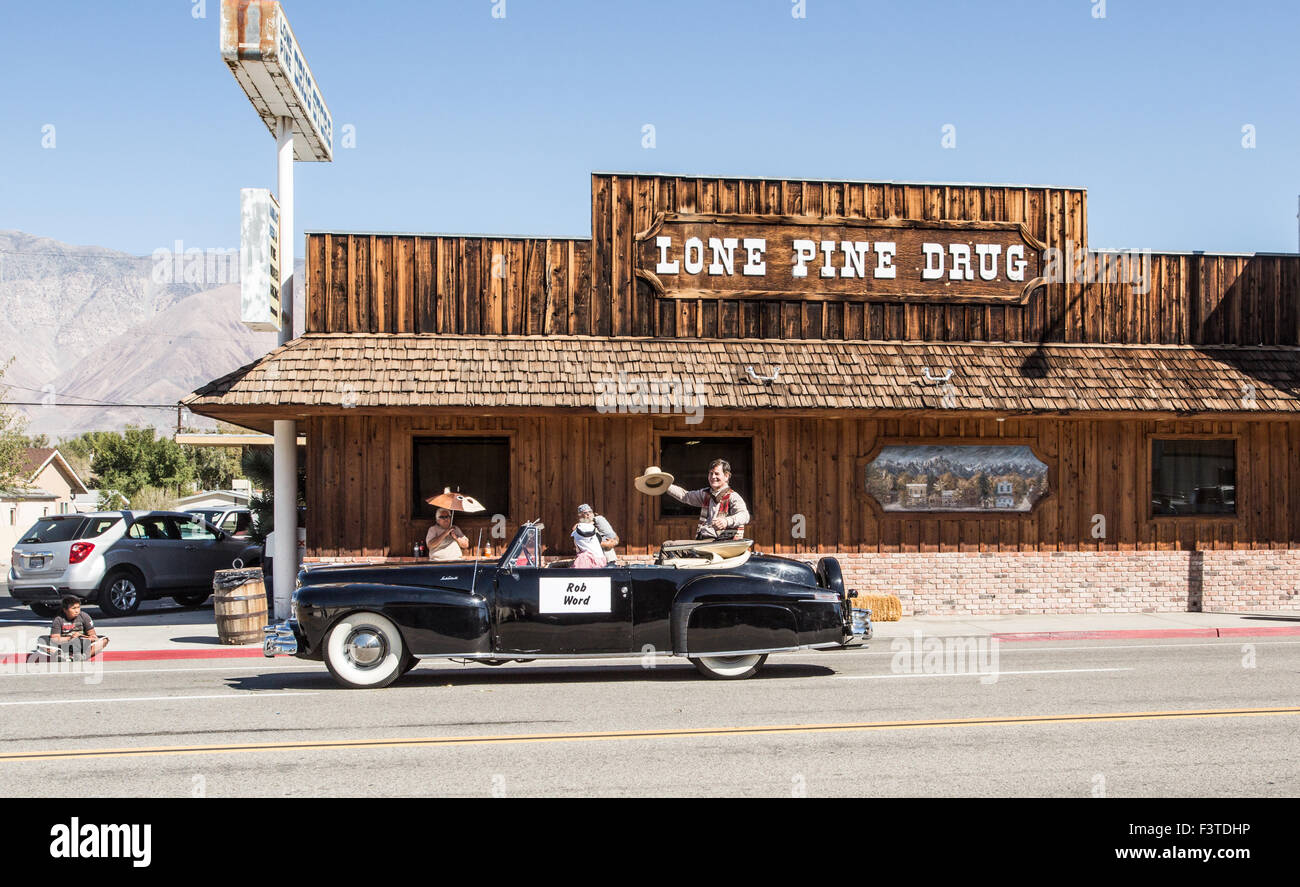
{"x":94,"y":401}
{"x":134,"y":406}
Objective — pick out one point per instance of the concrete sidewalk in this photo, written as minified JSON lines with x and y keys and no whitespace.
{"x":162,"y":630}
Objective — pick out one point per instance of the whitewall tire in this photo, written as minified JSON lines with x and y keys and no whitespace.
{"x":729,"y":668}
{"x":365,"y":650}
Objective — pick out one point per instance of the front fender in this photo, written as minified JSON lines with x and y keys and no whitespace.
{"x":432,"y":621}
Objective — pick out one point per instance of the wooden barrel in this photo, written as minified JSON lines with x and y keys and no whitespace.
{"x":239,"y":601}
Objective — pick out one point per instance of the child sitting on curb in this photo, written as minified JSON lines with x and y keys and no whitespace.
{"x":73,"y":632}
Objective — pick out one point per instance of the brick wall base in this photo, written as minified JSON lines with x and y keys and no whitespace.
{"x":1009,"y":583}
{"x":1021,"y":582}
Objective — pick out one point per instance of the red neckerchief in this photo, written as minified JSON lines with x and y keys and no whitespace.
{"x":723,"y":499}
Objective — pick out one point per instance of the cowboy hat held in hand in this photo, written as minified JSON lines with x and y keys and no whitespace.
{"x":654,"y":482}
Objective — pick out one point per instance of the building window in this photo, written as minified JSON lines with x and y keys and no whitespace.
{"x":475,"y":466}
{"x":13,"y":516}
{"x":1193,"y":476}
{"x":956,"y":477}
{"x":687,"y":460}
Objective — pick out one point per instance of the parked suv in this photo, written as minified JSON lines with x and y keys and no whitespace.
{"x":118,"y":559}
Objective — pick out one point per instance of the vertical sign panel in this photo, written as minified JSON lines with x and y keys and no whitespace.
{"x":259,"y":259}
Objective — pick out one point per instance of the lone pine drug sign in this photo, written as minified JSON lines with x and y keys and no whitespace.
{"x":887,"y":260}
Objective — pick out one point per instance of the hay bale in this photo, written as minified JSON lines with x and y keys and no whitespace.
{"x":883,"y":607}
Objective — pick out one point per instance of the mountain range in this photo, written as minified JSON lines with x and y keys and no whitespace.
{"x":962,"y":461}
{"x":88,"y":327}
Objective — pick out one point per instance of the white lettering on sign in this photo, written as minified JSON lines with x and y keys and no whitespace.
{"x":804,"y":250}
{"x":961,"y":269}
{"x":934,"y":253}
{"x":986,"y":251}
{"x":828,"y":249}
{"x":664,"y":266}
{"x":586,"y":594}
{"x":754,"y":248}
{"x":1016,"y":263}
{"x":694,"y":255}
{"x":843,"y":258}
{"x":885,"y":250}
{"x":723,"y":261}
{"x":855,"y":257}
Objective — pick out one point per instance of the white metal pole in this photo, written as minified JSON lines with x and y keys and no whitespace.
{"x":284,"y":189}
{"x":286,"y":430}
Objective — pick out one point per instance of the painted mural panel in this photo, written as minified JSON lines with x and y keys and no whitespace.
{"x":956,"y":477}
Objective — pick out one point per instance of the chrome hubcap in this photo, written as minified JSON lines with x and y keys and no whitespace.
{"x":123,"y":594}
{"x":365,"y":648}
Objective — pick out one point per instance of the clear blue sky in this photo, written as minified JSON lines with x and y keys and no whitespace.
{"x":469,"y":123}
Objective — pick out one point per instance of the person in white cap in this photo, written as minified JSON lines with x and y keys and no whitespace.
{"x":723,"y":514}
{"x":594,"y":538}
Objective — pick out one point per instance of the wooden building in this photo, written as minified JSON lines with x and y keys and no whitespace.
{"x":940,"y":384}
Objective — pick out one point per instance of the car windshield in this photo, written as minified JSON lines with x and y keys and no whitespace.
{"x":52,"y":529}
{"x":524,"y":551}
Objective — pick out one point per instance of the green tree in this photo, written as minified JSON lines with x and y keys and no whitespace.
{"x":258,"y":464}
{"x":12,"y":442}
{"x":215,"y":468}
{"x":137,"y":459}
{"x":80,"y":452}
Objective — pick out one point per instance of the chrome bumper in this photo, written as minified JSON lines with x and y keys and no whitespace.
{"x":279,"y":637}
{"x":861,"y":624}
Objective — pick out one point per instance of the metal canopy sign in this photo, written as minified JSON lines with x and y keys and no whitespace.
{"x":689,"y":255}
{"x":258,"y":46}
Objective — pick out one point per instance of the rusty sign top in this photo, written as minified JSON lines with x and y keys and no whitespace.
{"x":258,"y":46}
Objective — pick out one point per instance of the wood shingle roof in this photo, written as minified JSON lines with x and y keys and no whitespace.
{"x":527,"y":372}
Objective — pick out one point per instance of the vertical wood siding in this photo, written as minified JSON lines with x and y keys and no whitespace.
{"x":529,"y":286}
{"x":359,"y":483}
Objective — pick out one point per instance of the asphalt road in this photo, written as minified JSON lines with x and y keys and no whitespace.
{"x":1066,"y":719}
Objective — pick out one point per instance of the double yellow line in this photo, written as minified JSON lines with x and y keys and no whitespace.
{"x":688,"y":733}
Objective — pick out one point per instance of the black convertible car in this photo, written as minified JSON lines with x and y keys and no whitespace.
{"x":716,"y":603}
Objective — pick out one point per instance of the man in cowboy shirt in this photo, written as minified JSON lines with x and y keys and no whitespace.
{"x":723,"y":514}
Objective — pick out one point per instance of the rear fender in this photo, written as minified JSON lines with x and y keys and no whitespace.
{"x":732,"y":613}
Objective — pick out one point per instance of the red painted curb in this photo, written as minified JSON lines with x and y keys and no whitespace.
{"x":1103,"y":635}
{"x":222,"y":653}
{"x":1244,"y":631}
{"x":1010,"y":637}
{"x":1248,"y":632}
{"x":143,"y":655}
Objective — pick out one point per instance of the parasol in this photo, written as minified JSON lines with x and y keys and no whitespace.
{"x":455,"y":501}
